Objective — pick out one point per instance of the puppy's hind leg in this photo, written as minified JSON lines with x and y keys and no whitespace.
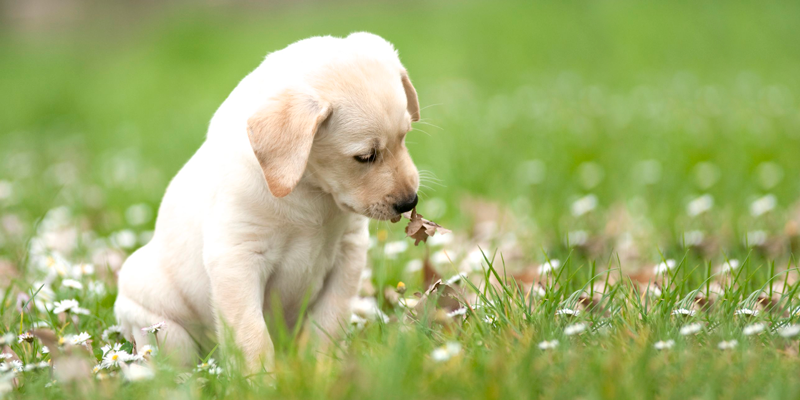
{"x":171,"y":340}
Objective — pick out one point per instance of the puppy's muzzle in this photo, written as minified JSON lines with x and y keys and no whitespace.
{"x":406,"y":205}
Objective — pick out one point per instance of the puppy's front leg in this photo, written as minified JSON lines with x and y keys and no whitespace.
{"x":238,"y":275}
{"x":331,"y":311}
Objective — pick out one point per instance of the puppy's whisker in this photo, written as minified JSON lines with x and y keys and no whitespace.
{"x":417,"y":129}
{"x":430,"y":124}
{"x":431,"y":105}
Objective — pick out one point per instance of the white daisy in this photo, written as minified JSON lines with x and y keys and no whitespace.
{"x":763,"y":205}
{"x":137,"y":372}
{"x":39,"y":365}
{"x":568,"y":311}
{"x":746,"y":311}
{"x":691,"y":329}
{"x":727,"y":345}
{"x":664,"y":266}
{"x":575,"y":329}
{"x":457,"y":312}
{"x":114,"y":358}
{"x":25,"y":337}
{"x":700,"y":205}
{"x":113,"y":330}
{"x":547,"y":345}
{"x":147,"y":350}
{"x":549,"y":267}
{"x":446,"y":352}
{"x":729,"y":265}
{"x":789,"y":331}
{"x":72,"y":283}
{"x":357,"y":321}
{"x":664,"y":345}
{"x":584,"y":205}
{"x":457,"y":278}
{"x":71,"y":306}
{"x":209,"y":366}
{"x":753,"y":329}
{"x":392,"y":249}
{"x":154,"y":328}
{"x":5,"y":356}
{"x":683,"y":311}
{"x":77,"y":339}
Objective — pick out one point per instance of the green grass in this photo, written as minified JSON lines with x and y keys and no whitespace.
{"x":530,"y":109}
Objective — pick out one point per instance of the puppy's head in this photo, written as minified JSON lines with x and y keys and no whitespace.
{"x":343,"y":129}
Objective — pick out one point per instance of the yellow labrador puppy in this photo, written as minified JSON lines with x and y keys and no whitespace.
{"x":272,"y":210}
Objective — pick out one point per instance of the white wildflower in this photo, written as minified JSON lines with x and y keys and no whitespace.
{"x":72,"y":283}
{"x":39,"y":365}
{"x":691,"y":329}
{"x":457,"y":312}
{"x":549,"y":267}
{"x":440,"y":239}
{"x":357,"y":321}
{"x":71,"y":306}
{"x":729,"y":265}
{"x":755,"y":238}
{"x":547,"y":345}
{"x":575,"y":329}
{"x":114,"y":358}
{"x":7,"y":338}
{"x":367,"y":308}
{"x":789,"y":331}
{"x":147,"y":350}
{"x":763,"y":205}
{"x":753,"y":329}
{"x":664,"y":266}
{"x":584,"y":205}
{"x":25,"y":337}
{"x":114,"y":330}
{"x":78,"y":339}
{"x":727,"y":345}
{"x":568,"y":311}
{"x":137,"y":372}
{"x":577,"y":238}
{"x":683,"y":311}
{"x":125,"y":239}
{"x":664,"y":345}
{"x":5,"y":356}
{"x":154,"y":328}
{"x":82,"y":269}
{"x":746,"y":311}
{"x":693,"y":238}
{"x":440,"y":258}
{"x":107,"y":348}
{"x":700,"y":205}
{"x":209,"y":366}
{"x":413,"y":266}
{"x":457,"y":278}
{"x":97,"y":288}
{"x":45,"y":350}
{"x":446,"y":352}
{"x":392,"y":249}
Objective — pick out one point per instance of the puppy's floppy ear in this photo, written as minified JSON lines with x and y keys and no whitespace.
{"x":411,"y":96}
{"x":281,"y":134}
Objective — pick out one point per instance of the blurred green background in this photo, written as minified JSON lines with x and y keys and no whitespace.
{"x":532,"y":104}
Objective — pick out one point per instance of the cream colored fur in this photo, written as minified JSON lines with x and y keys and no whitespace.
{"x":273,"y":207}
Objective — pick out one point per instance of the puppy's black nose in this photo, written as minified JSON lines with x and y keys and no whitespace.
{"x":406,"y":205}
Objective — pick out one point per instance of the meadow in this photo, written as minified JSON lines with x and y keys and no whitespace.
{"x":621,"y":180}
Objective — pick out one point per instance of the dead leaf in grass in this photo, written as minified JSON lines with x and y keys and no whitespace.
{"x":419,"y":228}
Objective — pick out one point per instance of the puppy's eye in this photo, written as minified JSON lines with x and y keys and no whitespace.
{"x":367,"y":158}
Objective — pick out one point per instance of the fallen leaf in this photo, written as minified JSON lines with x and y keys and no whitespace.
{"x":419,"y":228}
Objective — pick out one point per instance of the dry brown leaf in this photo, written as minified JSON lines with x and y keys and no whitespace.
{"x":419,"y":228}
